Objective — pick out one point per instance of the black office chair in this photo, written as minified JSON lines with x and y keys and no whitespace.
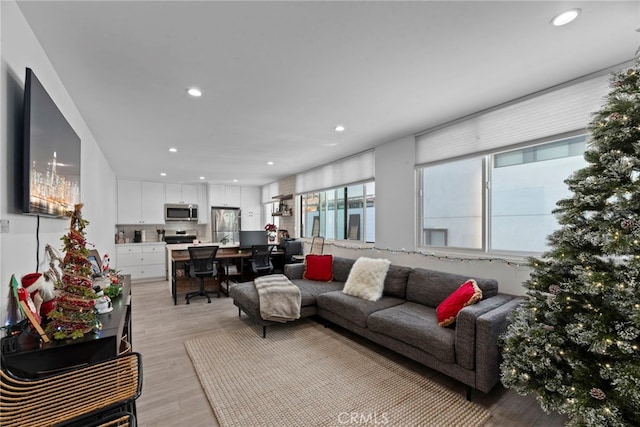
{"x":261,"y":259}
{"x":291,"y":247}
{"x":202,"y":263}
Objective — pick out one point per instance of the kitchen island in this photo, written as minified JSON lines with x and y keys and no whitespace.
{"x":178,"y":254}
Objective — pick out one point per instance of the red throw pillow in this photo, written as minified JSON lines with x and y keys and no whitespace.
{"x":318,"y":267}
{"x":468,"y":293}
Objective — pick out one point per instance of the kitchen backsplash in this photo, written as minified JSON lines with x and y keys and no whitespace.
{"x":202,"y":231}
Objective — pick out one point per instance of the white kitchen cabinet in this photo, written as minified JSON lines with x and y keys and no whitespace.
{"x":152,"y":202}
{"x":204,"y":208}
{"x":216,"y":194}
{"x":143,"y":261}
{"x":181,"y":193}
{"x":232,"y":195}
{"x":140,"y":202}
{"x":224,"y":195}
{"x":250,"y":208}
{"x":129,"y":202}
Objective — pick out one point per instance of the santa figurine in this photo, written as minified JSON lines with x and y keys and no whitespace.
{"x":42,"y":292}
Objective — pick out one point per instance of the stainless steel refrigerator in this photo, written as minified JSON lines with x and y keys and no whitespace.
{"x":225,"y":225}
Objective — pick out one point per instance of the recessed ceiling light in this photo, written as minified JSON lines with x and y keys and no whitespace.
{"x":235,"y":180}
{"x":194,"y":92}
{"x":163,"y":174}
{"x":173,"y":150}
{"x":202,"y":177}
{"x":339,"y":128}
{"x":330,"y":144}
{"x":270,"y":163}
{"x":566,"y":17}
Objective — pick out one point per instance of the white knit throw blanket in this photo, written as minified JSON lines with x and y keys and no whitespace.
{"x":279,"y":298}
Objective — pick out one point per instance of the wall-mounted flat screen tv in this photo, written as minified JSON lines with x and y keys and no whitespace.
{"x":51,"y":151}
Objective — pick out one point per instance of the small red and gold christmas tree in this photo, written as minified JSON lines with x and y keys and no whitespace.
{"x":74,"y":315}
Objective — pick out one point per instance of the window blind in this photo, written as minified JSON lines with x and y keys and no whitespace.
{"x":350,"y":170}
{"x":565,"y":109}
{"x":269,"y":191}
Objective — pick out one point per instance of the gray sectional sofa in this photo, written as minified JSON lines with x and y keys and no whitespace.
{"x":405,"y":320}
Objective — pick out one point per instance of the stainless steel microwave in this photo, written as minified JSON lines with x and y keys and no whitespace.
{"x":180,"y":212}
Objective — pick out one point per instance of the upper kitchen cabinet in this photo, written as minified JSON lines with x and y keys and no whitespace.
{"x":140,"y":202}
{"x":225,"y":195}
{"x":182,"y":193}
{"x":203,"y":204}
{"x":250,"y":207}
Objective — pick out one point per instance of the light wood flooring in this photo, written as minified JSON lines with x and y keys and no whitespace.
{"x":172,"y":395}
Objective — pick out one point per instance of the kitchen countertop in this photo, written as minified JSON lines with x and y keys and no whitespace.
{"x":141,"y":243}
{"x":184,"y":246}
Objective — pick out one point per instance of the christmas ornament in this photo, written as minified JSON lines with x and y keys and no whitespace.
{"x":42,"y":292}
{"x":596,"y":393}
{"x":554,"y":289}
{"x":627,"y":224}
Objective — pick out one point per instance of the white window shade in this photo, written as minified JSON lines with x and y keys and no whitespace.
{"x":347,"y":171}
{"x":269,"y":191}
{"x":554,"y":112}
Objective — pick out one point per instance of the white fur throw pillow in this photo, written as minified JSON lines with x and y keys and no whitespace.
{"x":366,"y":278}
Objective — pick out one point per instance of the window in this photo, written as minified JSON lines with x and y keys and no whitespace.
{"x":345,"y":213}
{"x":452,"y":203}
{"x":524,"y":192}
{"x":502,"y":201}
{"x":267,"y":210}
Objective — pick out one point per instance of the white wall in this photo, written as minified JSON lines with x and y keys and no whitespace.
{"x":21,"y":49}
{"x":395,"y":194}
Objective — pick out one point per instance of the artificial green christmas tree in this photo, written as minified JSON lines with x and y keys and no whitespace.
{"x":575,"y":341}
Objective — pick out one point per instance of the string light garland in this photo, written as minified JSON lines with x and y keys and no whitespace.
{"x":447,"y":258}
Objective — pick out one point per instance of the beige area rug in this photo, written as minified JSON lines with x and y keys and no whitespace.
{"x":303,"y":374}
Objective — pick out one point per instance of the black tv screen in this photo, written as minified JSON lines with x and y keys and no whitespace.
{"x":250,"y":238}
{"x":51,"y":154}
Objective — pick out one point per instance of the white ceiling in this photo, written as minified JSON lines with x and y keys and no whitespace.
{"x":278,"y":76}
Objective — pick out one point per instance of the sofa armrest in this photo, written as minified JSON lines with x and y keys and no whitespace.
{"x":466,"y":330}
{"x":488,"y":356}
{"x":294,"y":271}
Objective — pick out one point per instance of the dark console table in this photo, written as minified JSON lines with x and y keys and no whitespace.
{"x":32,"y":358}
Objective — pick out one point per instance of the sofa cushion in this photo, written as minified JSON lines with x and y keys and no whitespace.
{"x":246,"y":295}
{"x":310,"y":289}
{"x":354,"y":309}
{"x":366,"y":278}
{"x":395,"y":284}
{"x":318,"y":267}
{"x":416,"y":325}
{"x":341,"y":268}
{"x":468,"y":293}
{"x":430,"y":287}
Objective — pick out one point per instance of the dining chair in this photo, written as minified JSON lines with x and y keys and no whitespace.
{"x":261,"y":259}
{"x":202,"y":264}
